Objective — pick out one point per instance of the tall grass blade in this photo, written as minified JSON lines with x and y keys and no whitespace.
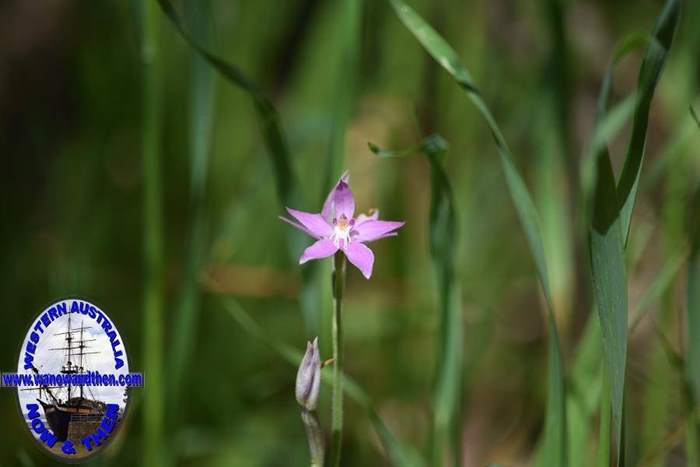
{"x":445,"y":55}
{"x":153,"y":416}
{"x":608,"y":273}
{"x":273,"y":135}
{"x":612,"y":210}
{"x":449,"y":376}
{"x":201,"y":114}
{"x":443,"y":247}
{"x":555,"y":162}
{"x":649,"y":75}
{"x":399,"y":454}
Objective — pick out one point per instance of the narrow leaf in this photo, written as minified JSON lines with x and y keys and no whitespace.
{"x":443,"y":244}
{"x":649,"y":75}
{"x":610,"y":284}
{"x":612,"y":210}
{"x":445,"y":55}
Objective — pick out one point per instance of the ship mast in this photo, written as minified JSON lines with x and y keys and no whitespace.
{"x":82,"y":346}
{"x":70,"y":368}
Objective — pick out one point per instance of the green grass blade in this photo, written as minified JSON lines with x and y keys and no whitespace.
{"x":649,"y":75}
{"x":398,"y":454}
{"x":445,"y":55}
{"x":153,"y":299}
{"x":610,"y":122}
{"x":273,"y":134}
{"x":555,"y":429}
{"x":585,"y":387}
{"x":450,"y":355}
{"x":695,"y":116}
{"x":603,"y":456}
{"x":200,"y":126}
{"x":443,"y":245}
{"x":610,"y":284}
{"x":612,"y":210}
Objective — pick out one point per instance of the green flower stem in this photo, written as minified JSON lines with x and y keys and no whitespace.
{"x":314,"y":434}
{"x":337,"y":384}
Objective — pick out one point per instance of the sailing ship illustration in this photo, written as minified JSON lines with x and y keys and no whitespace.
{"x":71,"y":411}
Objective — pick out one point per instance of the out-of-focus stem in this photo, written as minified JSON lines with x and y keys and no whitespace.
{"x":152,"y":236}
{"x":201,"y":117}
{"x":337,"y":331}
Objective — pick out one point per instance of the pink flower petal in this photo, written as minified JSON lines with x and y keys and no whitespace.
{"x":314,"y":223}
{"x":339,"y":201}
{"x":296,"y":225}
{"x":361,"y":256}
{"x":374,"y":230}
{"x":328,"y":209}
{"x":321,"y":249}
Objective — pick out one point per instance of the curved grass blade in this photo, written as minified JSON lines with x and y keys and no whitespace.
{"x":694,"y":115}
{"x":273,"y":135}
{"x":649,"y":75}
{"x":450,"y":355}
{"x":398,"y":454}
{"x":610,"y":122}
{"x":444,"y":54}
{"x":612,"y":210}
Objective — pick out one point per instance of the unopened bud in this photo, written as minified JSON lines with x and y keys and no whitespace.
{"x":309,"y":377}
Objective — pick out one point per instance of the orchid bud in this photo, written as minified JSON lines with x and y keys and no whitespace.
{"x":309,"y":377}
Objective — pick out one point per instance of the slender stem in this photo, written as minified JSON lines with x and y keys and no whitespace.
{"x":153,"y":240}
{"x":337,"y":409}
{"x":314,"y":434}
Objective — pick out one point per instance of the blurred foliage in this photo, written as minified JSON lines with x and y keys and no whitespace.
{"x":72,"y":187}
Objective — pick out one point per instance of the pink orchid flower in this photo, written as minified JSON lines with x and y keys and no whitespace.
{"x":335,"y":228}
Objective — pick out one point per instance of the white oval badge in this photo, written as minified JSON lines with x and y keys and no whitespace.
{"x":73,"y":379}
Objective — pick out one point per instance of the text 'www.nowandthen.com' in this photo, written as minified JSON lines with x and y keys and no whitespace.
{"x":89,"y":378}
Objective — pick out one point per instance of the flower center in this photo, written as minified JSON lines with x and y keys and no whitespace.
{"x":341,"y":230}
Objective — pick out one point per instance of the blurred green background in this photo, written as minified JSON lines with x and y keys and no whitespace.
{"x":72,"y":100}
